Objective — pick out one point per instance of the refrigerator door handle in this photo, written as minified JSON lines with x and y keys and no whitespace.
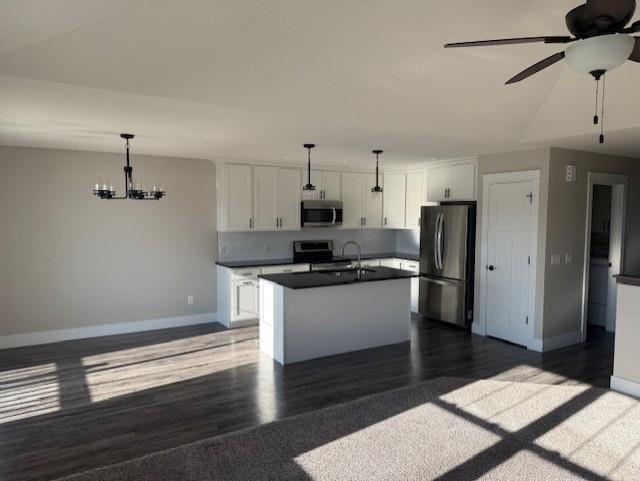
{"x":441,"y":248}
{"x":435,"y":242}
{"x":438,"y":242}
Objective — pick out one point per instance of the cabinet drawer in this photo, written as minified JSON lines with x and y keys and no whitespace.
{"x":285,"y":269}
{"x":245,"y":274}
{"x":412,"y":266}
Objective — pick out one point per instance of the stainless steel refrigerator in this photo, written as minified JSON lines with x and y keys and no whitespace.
{"x":447,"y":258}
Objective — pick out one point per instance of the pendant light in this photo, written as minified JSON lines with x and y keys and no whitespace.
{"x":376,"y":188}
{"x":135,"y":191}
{"x":309,"y":185}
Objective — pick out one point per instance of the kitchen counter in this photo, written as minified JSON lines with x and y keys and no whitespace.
{"x":236,"y":264}
{"x":309,"y":280}
{"x":628,"y":280}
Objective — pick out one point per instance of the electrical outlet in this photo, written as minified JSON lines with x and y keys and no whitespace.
{"x":223,"y":249}
{"x":190,"y":300}
{"x":556,"y":260}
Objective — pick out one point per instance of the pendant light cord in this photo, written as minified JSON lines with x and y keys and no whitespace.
{"x":604,"y":87}
{"x":595,"y":116}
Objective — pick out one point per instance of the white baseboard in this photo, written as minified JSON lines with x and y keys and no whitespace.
{"x":49,"y":337}
{"x":559,"y":342}
{"x":625,"y":386}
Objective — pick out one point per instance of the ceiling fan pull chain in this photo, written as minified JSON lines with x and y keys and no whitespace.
{"x":604,"y":86}
{"x":595,"y":117}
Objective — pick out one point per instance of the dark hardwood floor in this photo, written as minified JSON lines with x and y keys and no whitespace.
{"x":69,"y":407}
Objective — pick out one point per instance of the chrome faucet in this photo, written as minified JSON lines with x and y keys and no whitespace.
{"x":359,"y":253}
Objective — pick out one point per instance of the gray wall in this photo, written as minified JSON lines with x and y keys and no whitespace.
{"x":70,"y":260}
{"x":278,"y":245}
{"x":566,"y":232}
{"x":562,"y":225}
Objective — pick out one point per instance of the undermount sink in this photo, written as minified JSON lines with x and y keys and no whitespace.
{"x":348,"y":272}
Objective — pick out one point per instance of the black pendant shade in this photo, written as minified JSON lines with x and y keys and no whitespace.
{"x":104,"y":190}
{"x":376,"y":188}
{"x":309,"y":185}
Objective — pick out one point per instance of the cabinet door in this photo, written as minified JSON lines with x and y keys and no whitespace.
{"x":438,"y":183}
{"x":415,"y":191}
{"x":394,"y":200}
{"x":372,"y":203}
{"x":238,"y":198}
{"x":352,"y":200}
{"x":331,"y":185}
{"x":463,"y":182}
{"x":245,"y":302}
{"x":265,"y":198}
{"x":289,"y":199}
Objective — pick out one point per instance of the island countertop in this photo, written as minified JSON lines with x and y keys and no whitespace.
{"x":233,"y":264}
{"x":309,"y":280}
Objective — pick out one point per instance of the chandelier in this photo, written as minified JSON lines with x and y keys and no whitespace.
{"x":135,"y":191}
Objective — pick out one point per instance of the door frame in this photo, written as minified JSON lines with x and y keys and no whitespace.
{"x":619,"y":184}
{"x":488,"y":180}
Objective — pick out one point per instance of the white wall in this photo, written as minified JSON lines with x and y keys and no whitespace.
{"x":69,"y":260}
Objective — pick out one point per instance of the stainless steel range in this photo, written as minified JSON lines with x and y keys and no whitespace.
{"x":319,"y":254}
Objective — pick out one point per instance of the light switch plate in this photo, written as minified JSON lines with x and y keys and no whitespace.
{"x":571,"y":173}
{"x":568,"y":258}
{"x":556,"y":260}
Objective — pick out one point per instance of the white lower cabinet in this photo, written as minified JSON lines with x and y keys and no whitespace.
{"x":239,"y":293}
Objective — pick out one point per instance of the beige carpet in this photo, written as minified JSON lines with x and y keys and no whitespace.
{"x":447,"y":429}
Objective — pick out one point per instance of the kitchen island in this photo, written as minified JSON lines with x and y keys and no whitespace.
{"x":308,"y":315}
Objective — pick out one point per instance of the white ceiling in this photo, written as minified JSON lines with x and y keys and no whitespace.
{"x":254,"y":79}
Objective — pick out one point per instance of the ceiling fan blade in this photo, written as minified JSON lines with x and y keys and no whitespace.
{"x":510,"y":41}
{"x":635,"y":55}
{"x":618,"y":10}
{"x":534,"y":69}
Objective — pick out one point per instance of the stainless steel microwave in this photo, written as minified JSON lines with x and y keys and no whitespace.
{"x":321,"y":213}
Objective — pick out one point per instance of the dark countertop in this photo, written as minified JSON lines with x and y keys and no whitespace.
{"x":289,"y":261}
{"x":308,"y":280}
{"x":628,"y":280}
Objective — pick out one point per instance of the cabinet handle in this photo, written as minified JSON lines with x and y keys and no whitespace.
{"x":365,"y":221}
{"x":385,"y":221}
{"x":250,"y":223}
{"x":419,"y":221}
{"x":281,"y":222}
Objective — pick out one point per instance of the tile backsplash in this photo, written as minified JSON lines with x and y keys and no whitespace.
{"x":278,"y":245}
{"x":408,"y":241}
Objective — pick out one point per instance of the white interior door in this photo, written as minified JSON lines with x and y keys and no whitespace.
{"x":508,"y":253}
{"x":289,"y":199}
{"x":265,"y":198}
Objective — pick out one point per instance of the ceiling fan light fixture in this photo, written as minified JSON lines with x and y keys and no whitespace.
{"x":601,"y":53}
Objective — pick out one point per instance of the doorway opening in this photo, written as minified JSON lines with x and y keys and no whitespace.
{"x":604,"y":252}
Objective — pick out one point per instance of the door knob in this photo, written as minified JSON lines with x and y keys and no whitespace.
{"x":491,"y":268}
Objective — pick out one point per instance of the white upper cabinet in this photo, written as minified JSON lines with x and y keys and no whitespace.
{"x":371,"y":202}
{"x":352,"y":201}
{"x":258,"y":198}
{"x":395,"y":194}
{"x":235,"y":198}
{"x":456,"y":182}
{"x":361,"y":207}
{"x":289,"y":199}
{"x":416,"y":198}
{"x":265,"y":198}
{"x":331,"y":185}
{"x":327,"y":185}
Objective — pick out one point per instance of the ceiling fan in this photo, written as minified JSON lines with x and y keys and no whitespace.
{"x":601,"y":41}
